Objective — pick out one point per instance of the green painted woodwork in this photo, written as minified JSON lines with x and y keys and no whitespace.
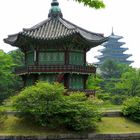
{"x":30,"y":58}
{"x":48,"y":77}
{"x":51,"y":58}
{"x":76,"y":82}
{"x":76,"y":58}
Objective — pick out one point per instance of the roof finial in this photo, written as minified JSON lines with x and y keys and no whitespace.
{"x":112,"y":31}
{"x":55,"y":11}
{"x":54,"y":3}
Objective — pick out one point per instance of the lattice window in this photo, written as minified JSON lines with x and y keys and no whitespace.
{"x":76,"y":58}
{"x":51,"y":58}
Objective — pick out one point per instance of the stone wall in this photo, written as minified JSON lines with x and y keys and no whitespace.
{"x":91,"y":136}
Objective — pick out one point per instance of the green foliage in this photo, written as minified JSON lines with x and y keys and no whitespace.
{"x":3,"y":117}
{"x":117,"y":99}
{"x":97,"y":4}
{"x":94,"y":82}
{"x":110,"y":69}
{"x":129,"y":83}
{"x":104,"y":96}
{"x":131,"y":108}
{"x":117,"y":82}
{"x":18,"y":57}
{"x":96,"y":101}
{"x":9,"y":82}
{"x":46,"y":105}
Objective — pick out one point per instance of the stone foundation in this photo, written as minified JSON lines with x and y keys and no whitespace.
{"x":91,"y":136}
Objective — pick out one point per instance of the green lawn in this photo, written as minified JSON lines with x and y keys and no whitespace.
{"x":117,"y":125}
{"x":16,"y":126}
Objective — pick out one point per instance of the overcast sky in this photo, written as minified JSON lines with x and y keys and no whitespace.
{"x":123,"y":15}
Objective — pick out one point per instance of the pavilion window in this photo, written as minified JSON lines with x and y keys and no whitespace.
{"x":76,"y":58}
{"x":48,"y":58}
{"x":30,"y":58}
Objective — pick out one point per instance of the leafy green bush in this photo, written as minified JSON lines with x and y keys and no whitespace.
{"x":104,"y":96}
{"x":117,"y":99}
{"x":3,"y":116}
{"x":131,"y":108}
{"x":46,"y":105}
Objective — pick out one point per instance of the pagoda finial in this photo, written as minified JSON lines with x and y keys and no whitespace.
{"x":112,"y":31}
{"x":54,"y":3}
{"x":55,"y":11}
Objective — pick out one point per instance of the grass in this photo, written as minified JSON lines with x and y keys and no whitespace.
{"x":15,"y":126}
{"x":108,"y":107}
{"x":117,"y":125}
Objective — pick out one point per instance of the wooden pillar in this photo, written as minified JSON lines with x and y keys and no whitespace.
{"x":24,"y":78}
{"x":85,"y":80}
{"x":85,"y":58}
{"x":25,"y":56}
{"x":35,"y":78}
{"x":37,"y":57}
{"x":66,"y":80}
{"x":66,"y":57}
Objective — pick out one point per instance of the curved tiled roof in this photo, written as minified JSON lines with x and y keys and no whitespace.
{"x":55,"y":28}
{"x":51,"y":29}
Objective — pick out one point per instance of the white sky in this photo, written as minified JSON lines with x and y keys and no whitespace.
{"x":123,"y":15}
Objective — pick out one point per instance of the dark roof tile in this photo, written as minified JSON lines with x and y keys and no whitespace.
{"x":55,"y":28}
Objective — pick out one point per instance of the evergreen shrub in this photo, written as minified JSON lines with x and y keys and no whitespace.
{"x":131,"y":108}
{"x":46,"y":105}
{"x":104,"y":96}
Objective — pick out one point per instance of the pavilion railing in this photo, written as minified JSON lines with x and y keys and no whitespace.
{"x":55,"y":68}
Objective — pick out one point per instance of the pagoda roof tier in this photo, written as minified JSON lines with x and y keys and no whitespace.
{"x":113,"y":56}
{"x":112,"y":49}
{"x":115,"y":37}
{"x":113,"y":43}
{"x":128,"y":62}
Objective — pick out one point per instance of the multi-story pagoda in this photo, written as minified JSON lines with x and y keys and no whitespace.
{"x":55,"y":50}
{"x":113,"y":51}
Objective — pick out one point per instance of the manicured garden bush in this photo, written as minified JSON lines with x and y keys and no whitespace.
{"x":46,"y":105}
{"x":131,"y":108}
{"x":104,"y":96}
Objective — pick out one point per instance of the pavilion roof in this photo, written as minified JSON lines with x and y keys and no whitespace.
{"x":55,"y":28}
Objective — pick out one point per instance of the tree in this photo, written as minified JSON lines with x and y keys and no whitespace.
{"x":9,"y":82}
{"x":131,"y":108}
{"x":111,"y":73}
{"x":46,"y":105}
{"x":94,"y":82}
{"x":97,"y":4}
{"x":18,"y":57}
{"x":111,"y":69}
{"x":129,"y":83}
